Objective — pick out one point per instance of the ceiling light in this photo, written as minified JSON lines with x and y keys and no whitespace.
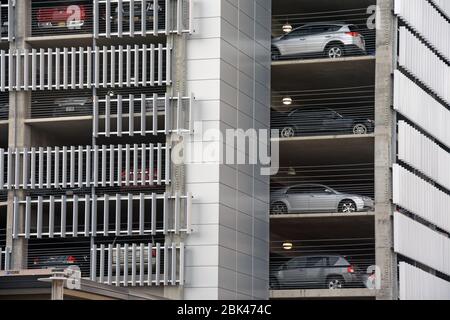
{"x":287,"y":245}
{"x":287,"y":101}
{"x":287,"y":28}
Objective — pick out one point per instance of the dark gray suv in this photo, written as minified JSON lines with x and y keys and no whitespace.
{"x":316,"y":272}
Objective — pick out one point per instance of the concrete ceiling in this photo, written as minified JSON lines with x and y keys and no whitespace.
{"x":311,"y":6}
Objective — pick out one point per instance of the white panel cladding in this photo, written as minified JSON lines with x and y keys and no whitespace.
{"x":420,"y":197}
{"x":141,"y":115}
{"x":420,"y":152}
{"x":419,"y":107}
{"x":142,"y":264}
{"x":416,"y":284}
{"x":420,"y":243}
{"x":443,"y":5}
{"x":425,"y":19}
{"x":142,"y":165}
{"x":74,"y":216}
{"x":5,"y":258}
{"x":7,"y":22}
{"x":78,"y":68}
{"x":151,"y":17}
{"x":434,"y":74}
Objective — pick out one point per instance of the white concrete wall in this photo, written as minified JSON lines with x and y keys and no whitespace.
{"x":228,"y":70}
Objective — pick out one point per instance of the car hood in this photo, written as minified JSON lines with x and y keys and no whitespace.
{"x":276,"y":39}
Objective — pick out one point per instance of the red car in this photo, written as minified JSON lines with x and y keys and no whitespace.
{"x":71,"y":16}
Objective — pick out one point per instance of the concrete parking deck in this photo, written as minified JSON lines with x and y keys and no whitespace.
{"x":323,"y":294}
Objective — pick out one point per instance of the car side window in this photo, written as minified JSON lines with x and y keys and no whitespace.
{"x":316,"y":262}
{"x":297,"y":190}
{"x":298,"y":33}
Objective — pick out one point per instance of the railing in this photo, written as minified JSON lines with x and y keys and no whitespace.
{"x":7,"y":21}
{"x":138,"y":264}
{"x":78,"y":216}
{"x":141,"y":113}
{"x":119,"y":166}
{"x":5,"y":258}
{"x":79,"y":68}
{"x":150,"y":17}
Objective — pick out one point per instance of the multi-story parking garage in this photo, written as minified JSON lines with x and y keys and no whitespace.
{"x":93,"y":105}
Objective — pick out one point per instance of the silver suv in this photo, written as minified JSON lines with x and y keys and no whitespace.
{"x":316,"y":271}
{"x":333,"y":40}
{"x":317,"y":198}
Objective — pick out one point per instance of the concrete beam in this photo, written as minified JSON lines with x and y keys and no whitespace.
{"x":384,"y":150}
{"x":322,"y":294}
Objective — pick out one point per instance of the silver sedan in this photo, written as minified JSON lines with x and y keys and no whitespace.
{"x":317,"y":198}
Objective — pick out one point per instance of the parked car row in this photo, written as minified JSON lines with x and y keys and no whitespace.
{"x":332,"y":40}
{"x":325,"y":271}
{"x":305,"y":198}
{"x":319,"y":121}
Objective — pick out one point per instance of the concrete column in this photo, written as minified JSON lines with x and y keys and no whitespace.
{"x":19,"y":133}
{"x":384,"y":150}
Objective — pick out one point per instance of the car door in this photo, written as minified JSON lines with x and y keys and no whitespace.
{"x":315,"y":271}
{"x":293,"y":274}
{"x":317,"y":38}
{"x":322,"y":199}
{"x":298,"y":198}
{"x":295,"y":43}
{"x":333,"y":122}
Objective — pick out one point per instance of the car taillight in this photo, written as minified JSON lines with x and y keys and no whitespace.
{"x":71,"y":259}
{"x":154,"y":253}
{"x":353,"y":34}
{"x":350,"y":269}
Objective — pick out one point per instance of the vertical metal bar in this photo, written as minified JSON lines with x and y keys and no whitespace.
{"x":96,"y":20}
{"x":188,"y":212}
{"x":94,"y":215}
{"x":105,"y":66}
{"x":166,"y":264}
{"x":49,"y":69}
{"x":118,"y":215}
{"x":167,"y":118}
{"x":9,"y":165}
{"x":2,"y":168}
{"x":39,"y":217}
{"x":135,"y":164}
{"x":65,"y":67}
{"x":88,"y":166}
{"x":125,"y":264}
{"x":152,"y":64}
{"x":143,"y":19}
{"x":87,"y":208}
{"x":41,"y":167}
{"x":153,"y":214}
{"x":111,"y":165}
{"x":120,"y":82}
{"x":102,"y":263}
{"x":127,"y":165}
{"x":88,"y":67}
{"x":26,"y":69}
{"x":103,"y":184}
{"x":113,"y":65}
{"x":108,"y":18}
{"x":80,"y":166}
{"x":51,"y":216}
{"x":131,"y":115}
{"x":106,"y":215}
{"x":173,"y":265}
{"x":94,"y":263}
{"x":73,"y":72}
{"x":144,"y":65}
{"x":155,"y":17}
{"x":155,"y":114}
{"x":119,"y":18}
{"x":97,"y":66}
{"x":144,"y":165}
{"x":33,"y":69}
{"x":133,"y":264}
{"x":181,"y":269}
{"x":17,"y":169}
{"x":128,"y":66}
{"x":27,"y":217}
{"x":107,"y":116}
{"x":75,"y":216}
{"x":130,"y":214}
{"x":159,"y":164}
{"x":150,"y":264}
{"x":64,"y":167}
{"x":136,"y":65}
{"x":131,"y":12}
{"x":168,"y":65}
{"x":110,"y":262}
{"x":57,"y":69}
{"x":15,"y":220}
{"x":141,"y":264}
{"x":168,"y":20}
{"x":151,"y":164}
{"x":177,"y":213}
{"x":96,"y":117}
{"x":119,"y":165}
{"x":165,"y":213}
{"x":118,"y":249}
{"x":63,"y":215}
{"x":119,"y":115}
{"x":49,"y":168}
{"x":33,"y":168}
{"x":56,"y":168}
{"x":167,"y":163}
{"x":143,"y":114}
{"x":80,"y":67}
{"x":141,"y":213}
{"x":160,"y":61}
{"x":72,"y":166}
{"x":158,"y":263}
{"x":25,"y":175}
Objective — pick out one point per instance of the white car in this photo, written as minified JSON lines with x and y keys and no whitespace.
{"x":333,"y":40}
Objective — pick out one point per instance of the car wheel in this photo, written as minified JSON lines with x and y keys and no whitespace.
{"x":347,"y":206}
{"x":335,"y":51}
{"x":288,"y":132}
{"x":360,"y":128}
{"x":335,"y":282}
{"x":275,"y":53}
{"x":278,"y":208}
